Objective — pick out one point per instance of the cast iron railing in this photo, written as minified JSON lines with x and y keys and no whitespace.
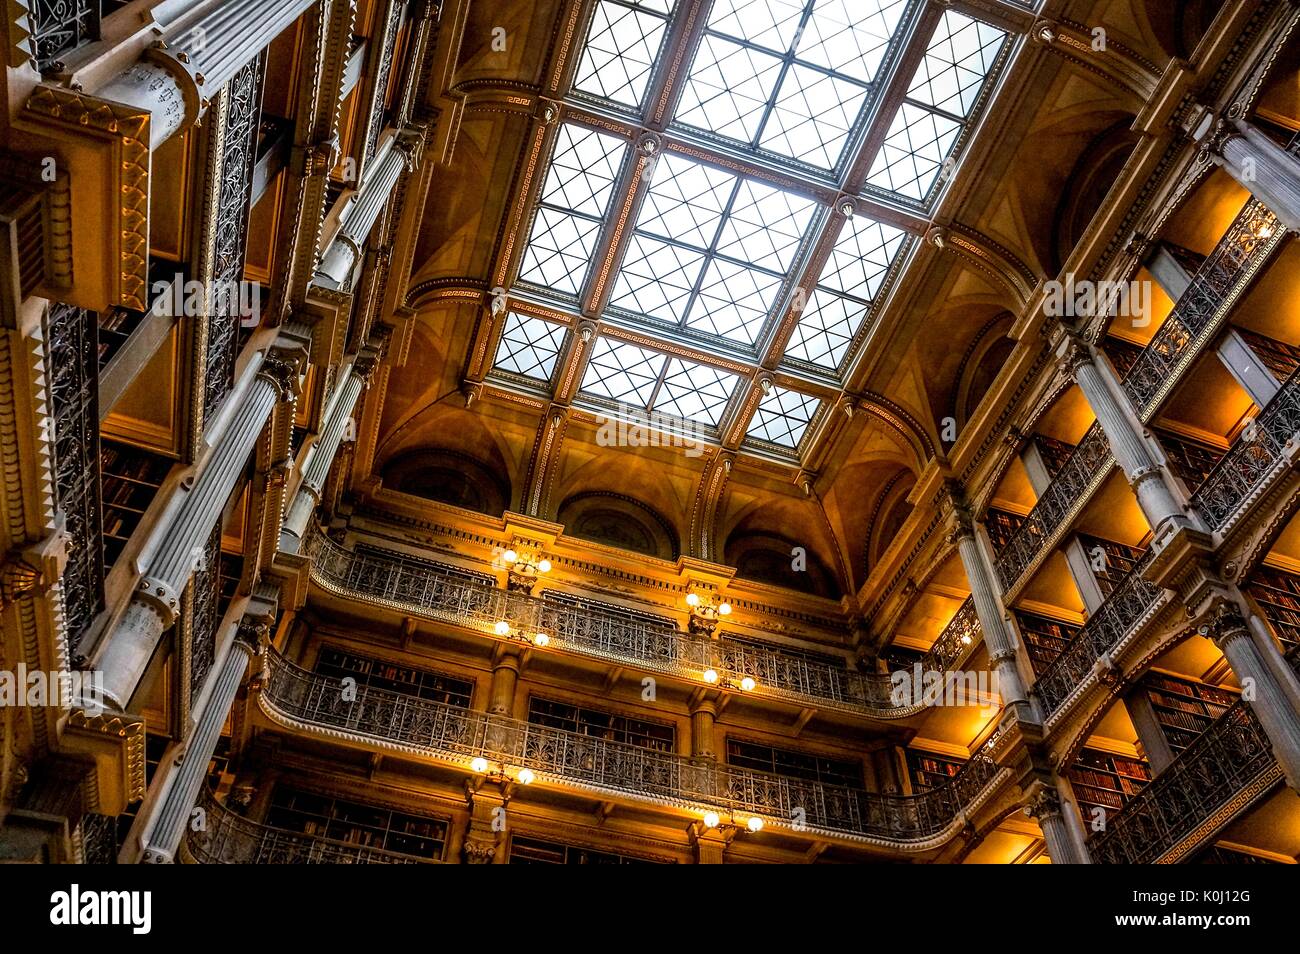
{"x":301,"y":699}
{"x":1237,"y":258}
{"x":1259,"y":454}
{"x":440,"y":593}
{"x":231,"y":839}
{"x":1127,"y":606}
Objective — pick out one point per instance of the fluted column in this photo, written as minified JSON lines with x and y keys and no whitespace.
{"x":164,"y":835}
{"x":1143,"y":471}
{"x":1260,"y":687}
{"x":998,"y":636}
{"x":338,"y":263}
{"x":505,"y":677}
{"x":320,"y":458}
{"x":1260,"y":165}
{"x":1065,"y":845}
{"x":177,"y":542}
{"x":704,"y":714}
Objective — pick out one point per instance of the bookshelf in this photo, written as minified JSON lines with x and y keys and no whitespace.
{"x":535,"y":851}
{"x":1123,"y":354}
{"x":408,"y":680}
{"x":1278,"y":356}
{"x":656,"y":736}
{"x":131,"y":478}
{"x":1120,"y":560}
{"x":1103,"y":780}
{"x":1054,"y":453}
{"x":1278,"y":595}
{"x":1002,"y":526}
{"x":1045,"y":638}
{"x":928,"y":770}
{"x":1184,"y":708}
{"x":1190,"y":460}
{"x":115,"y":327}
{"x":790,"y":764}
{"x":356,"y":823}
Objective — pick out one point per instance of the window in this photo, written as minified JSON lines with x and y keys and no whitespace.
{"x":356,"y":823}
{"x":377,"y":674}
{"x":661,"y":737}
{"x":810,"y":768}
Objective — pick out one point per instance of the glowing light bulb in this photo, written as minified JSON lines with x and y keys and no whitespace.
{"x":502,"y":628}
{"x":748,"y":684}
{"x":510,"y":556}
{"x":965,"y":640}
{"x":544,"y":566}
{"x":754,"y":824}
{"x":710,"y":676}
{"x":711,"y":820}
{"x":479,"y":766}
{"x":692,"y":599}
{"x":541,"y":639}
{"x":526,"y":776}
{"x":724,"y":609}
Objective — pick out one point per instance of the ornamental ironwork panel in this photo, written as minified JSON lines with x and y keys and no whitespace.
{"x":1259,"y":454}
{"x":572,"y":758}
{"x":1130,"y":602}
{"x":1059,"y":501}
{"x":448,"y":594}
{"x":59,"y":26}
{"x":231,"y":839}
{"x":1228,"y":756}
{"x":73,"y":370}
{"x":234,"y":197}
{"x":383,"y":70}
{"x":205,"y":613}
{"x":99,"y":844}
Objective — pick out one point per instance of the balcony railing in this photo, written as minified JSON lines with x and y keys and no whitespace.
{"x":1255,"y":460}
{"x":1231,"y":755}
{"x":441,"y":594}
{"x":311,"y":702}
{"x":230,"y":839}
{"x":1235,"y":261}
{"x":1131,"y":604}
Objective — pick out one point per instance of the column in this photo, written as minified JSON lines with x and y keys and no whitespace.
{"x":175,"y":811}
{"x":710,"y":844}
{"x":169,"y":557}
{"x":1150,"y":735}
{"x":1065,"y":844}
{"x":1079,"y":561}
{"x":338,"y":264}
{"x":1260,"y":165}
{"x":1168,"y":271}
{"x":998,"y":636}
{"x":1270,"y":701}
{"x":704,"y":714}
{"x":1241,"y":361}
{"x":505,"y":677}
{"x":1163,"y":510}
{"x":320,"y":457}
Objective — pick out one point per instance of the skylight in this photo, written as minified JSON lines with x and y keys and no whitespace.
{"x":782,"y":417}
{"x":638,"y":378}
{"x":710,"y":250}
{"x":570,"y":212}
{"x":529,"y":347}
{"x":790,"y":78}
{"x":621,"y":49}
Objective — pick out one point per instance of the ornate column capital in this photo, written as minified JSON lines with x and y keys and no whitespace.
{"x":1226,"y":622}
{"x":960,"y":521}
{"x":283,"y":367}
{"x":1042,"y":802}
{"x":1073,"y":352}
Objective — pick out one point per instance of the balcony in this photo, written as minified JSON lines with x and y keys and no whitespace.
{"x":1196,"y":318}
{"x":312,"y":703}
{"x":439,"y":593}
{"x":1131,"y":604}
{"x":231,"y":839}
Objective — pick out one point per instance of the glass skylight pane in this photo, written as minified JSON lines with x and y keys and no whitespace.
{"x":695,"y":392}
{"x":733,"y":302}
{"x":529,"y":346}
{"x":657,"y":278}
{"x":958,"y":59}
{"x":850,"y":37}
{"x":685,"y":201}
{"x":559,"y":250}
{"x":825,"y":328}
{"x":769,"y":23}
{"x":861,"y":257}
{"x":765,"y":226}
{"x":584,"y":166}
{"x":813,"y":115}
{"x":620,"y":53}
{"x":622,"y":372}
{"x":728,"y":88}
{"x":914,"y":149}
{"x":782,"y":417}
